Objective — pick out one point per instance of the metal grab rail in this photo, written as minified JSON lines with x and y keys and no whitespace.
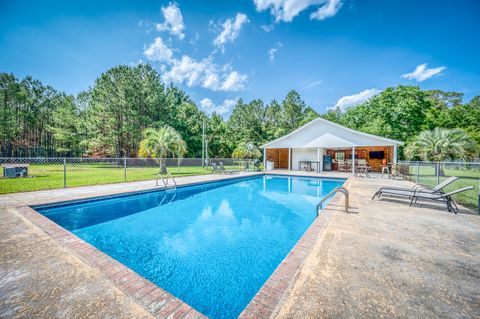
{"x":342,"y":190}
{"x":165,"y":180}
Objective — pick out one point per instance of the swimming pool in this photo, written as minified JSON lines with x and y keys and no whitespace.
{"x":211,"y":245}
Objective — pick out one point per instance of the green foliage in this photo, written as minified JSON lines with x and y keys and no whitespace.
{"x":30,"y":114}
{"x":125,"y":100}
{"x":403,"y":112}
{"x":293,"y":111}
{"x":441,"y":144}
{"x":65,"y":126}
{"x":246,"y":150}
{"x":247,"y":122}
{"x":396,"y":113}
{"x":257,"y":123}
{"x":162,"y":142}
{"x":220,"y":140}
{"x":109,"y":119}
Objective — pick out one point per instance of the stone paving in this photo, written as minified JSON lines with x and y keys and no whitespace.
{"x":383,"y":259}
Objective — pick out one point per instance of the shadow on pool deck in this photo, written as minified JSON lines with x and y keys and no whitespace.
{"x":390,"y":260}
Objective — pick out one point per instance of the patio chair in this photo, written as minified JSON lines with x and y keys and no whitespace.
{"x":341,"y":166}
{"x":444,"y":198}
{"x":216,"y":169}
{"x":362,"y":170}
{"x":348,"y":166}
{"x":222,"y":169}
{"x":416,"y":188}
{"x":307,"y":166}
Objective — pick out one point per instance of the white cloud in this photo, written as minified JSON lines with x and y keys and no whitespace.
{"x":313,"y":84}
{"x":271,"y":54}
{"x":205,"y":73}
{"x":273,"y":51}
{"x":185,"y":70}
{"x":328,"y":10}
{"x":158,"y":51}
{"x":286,"y":10}
{"x":351,"y":100}
{"x":234,"y":81}
{"x":267,"y":28}
{"x":192,"y":72}
{"x":423,"y":73}
{"x":173,"y":21}
{"x":209,"y":107}
{"x":230,"y":29}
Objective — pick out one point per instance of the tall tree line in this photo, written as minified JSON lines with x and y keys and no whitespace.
{"x":402,"y":112}
{"x":110,"y":118}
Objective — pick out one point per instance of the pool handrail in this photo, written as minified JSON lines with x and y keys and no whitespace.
{"x":340,"y":189}
{"x":165,"y":180}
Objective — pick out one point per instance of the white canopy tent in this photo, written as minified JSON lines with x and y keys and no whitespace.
{"x":311,"y":141}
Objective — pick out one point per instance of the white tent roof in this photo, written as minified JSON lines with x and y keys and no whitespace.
{"x":329,"y":140}
{"x":322,"y":133}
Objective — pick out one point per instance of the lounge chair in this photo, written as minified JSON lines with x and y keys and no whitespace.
{"x":399,"y":191}
{"x":444,"y":198}
{"x":226,"y":171}
{"x":216,"y":169}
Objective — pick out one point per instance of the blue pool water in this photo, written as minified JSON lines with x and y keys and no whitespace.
{"x":211,"y":245}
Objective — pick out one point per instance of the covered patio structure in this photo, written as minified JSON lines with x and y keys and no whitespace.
{"x":327,"y":146}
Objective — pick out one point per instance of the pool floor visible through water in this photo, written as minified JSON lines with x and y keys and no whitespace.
{"x":212,"y":245}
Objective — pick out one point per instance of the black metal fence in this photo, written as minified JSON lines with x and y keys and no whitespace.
{"x":29,"y":174}
{"x":432,"y":173}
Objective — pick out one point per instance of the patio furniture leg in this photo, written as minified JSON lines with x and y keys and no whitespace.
{"x":453,"y":205}
{"x":411,"y":200}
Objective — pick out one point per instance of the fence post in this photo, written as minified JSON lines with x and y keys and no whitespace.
{"x":418,"y":172}
{"x":438,"y":173}
{"x":478,"y":207}
{"x":64,"y":173}
{"x":125,"y":169}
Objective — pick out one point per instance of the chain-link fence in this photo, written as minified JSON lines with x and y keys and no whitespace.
{"x":432,"y":173}
{"x":30,"y":174}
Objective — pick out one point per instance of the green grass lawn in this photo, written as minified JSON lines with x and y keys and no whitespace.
{"x":468,"y":177}
{"x":51,"y":176}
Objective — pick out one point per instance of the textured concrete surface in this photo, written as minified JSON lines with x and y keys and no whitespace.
{"x":387,"y":260}
{"x":384,"y":259}
{"x":40,"y":278}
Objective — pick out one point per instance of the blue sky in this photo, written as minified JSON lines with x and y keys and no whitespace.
{"x":333,"y":52}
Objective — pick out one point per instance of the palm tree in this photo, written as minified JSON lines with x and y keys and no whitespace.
{"x":441,"y":144}
{"x":159,"y":143}
{"x":246,"y":150}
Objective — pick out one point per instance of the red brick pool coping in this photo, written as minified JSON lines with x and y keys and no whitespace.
{"x":161,"y":303}
{"x":270,"y":295}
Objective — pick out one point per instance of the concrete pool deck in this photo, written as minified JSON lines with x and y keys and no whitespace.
{"x":383,"y":259}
